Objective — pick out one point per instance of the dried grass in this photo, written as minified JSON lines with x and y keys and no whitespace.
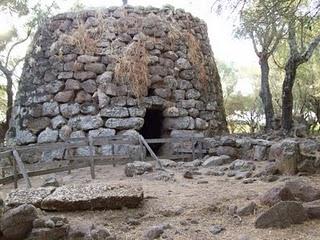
{"x":197,"y":59}
{"x":85,"y":40}
{"x":132,"y":69}
{"x":195,"y":55}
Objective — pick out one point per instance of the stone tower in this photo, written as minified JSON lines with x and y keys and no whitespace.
{"x":118,"y":71}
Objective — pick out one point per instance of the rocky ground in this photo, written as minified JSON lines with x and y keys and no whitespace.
{"x":190,"y":202}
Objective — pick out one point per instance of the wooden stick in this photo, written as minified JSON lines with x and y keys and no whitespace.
{"x":69,"y":159}
{"x":15,"y":175}
{"x":141,"y":150}
{"x":193,"y":149}
{"x":150,"y":151}
{"x":93,"y":175}
{"x":21,"y":167}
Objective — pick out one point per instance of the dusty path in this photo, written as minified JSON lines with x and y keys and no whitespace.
{"x":189,"y":206}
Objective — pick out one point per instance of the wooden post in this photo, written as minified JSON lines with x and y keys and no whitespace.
{"x":141,"y":150}
{"x":21,"y":167}
{"x":150,"y":151}
{"x":15,"y":177}
{"x":201,"y":148}
{"x":193,"y":149}
{"x":68,"y":155}
{"x":93,"y":175}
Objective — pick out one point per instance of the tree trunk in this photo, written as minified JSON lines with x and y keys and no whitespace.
{"x":287,"y":98}
{"x":265,"y":93}
{"x":9,"y":99}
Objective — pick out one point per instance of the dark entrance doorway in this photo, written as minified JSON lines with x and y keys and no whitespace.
{"x":152,"y":127}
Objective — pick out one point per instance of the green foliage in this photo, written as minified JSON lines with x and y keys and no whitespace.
{"x":77,"y":6}
{"x":228,"y":76}
{"x":244,"y":110}
{"x":244,"y":113}
{"x":15,"y":6}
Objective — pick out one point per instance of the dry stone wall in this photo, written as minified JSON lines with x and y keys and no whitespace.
{"x":97,"y":73}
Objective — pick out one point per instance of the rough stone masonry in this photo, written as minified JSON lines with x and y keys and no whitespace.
{"x":100,"y":72}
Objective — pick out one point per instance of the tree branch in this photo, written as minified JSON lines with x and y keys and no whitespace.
{"x":308,"y":53}
{"x":292,"y":39}
{"x":254,"y":44}
{"x":5,"y":70}
{"x":17,"y":63}
{"x":14,"y":45}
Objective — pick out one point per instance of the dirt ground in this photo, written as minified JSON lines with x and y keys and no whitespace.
{"x":189,"y":206}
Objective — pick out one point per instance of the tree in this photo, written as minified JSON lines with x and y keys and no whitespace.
{"x":9,"y":42}
{"x":298,"y":55}
{"x":228,"y":78}
{"x":124,"y":2}
{"x":265,"y":28}
{"x":293,"y":16}
{"x":244,"y":113}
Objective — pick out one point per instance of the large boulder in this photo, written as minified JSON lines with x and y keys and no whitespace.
{"x":137,"y":168}
{"x":275,"y":195}
{"x":216,"y":161}
{"x":303,"y":191}
{"x":93,"y":197}
{"x":242,"y":165}
{"x":53,"y":228}
{"x":17,"y":223}
{"x":282,"y":215}
{"x":32,"y":196}
{"x":312,"y":209}
{"x":287,"y":155}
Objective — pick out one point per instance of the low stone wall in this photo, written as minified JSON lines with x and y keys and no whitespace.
{"x":291,"y":155}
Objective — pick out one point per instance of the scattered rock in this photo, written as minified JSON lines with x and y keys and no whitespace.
{"x":241,"y":175}
{"x":287,"y":155}
{"x":154,"y":232}
{"x":242,"y":165}
{"x":17,"y":223}
{"x":80,"y":231}
{"x":270,"y":178}
{"x":312,"y":209}
{"x":168,"y":163}
{"x":260,"y":153}
{"x":247,"y":209}
{"x":188,"y":175}
{"x":137,"y":168}
{"x":194,"y":163}
{"x":214,"y":173}
{"x":275,"y":195}
{"x":50,"y":182}
{"x":202,"y":182}
{"x":269,"y":170}
{"x":282,"y":215}
{"x":171,"y":211}
{"x":248,"y":180}
{"x":303,"y":191}
{"x":216,"y":161}
{"x":231,"y":174}
{"x":164,"y":176}
{"x":216,"y":229}
{"x":133,"y":222}
{"x":54,"y":228}
{"x":99,"y":233}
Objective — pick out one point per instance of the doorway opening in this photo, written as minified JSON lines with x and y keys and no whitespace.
{"x":152,"y":127}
